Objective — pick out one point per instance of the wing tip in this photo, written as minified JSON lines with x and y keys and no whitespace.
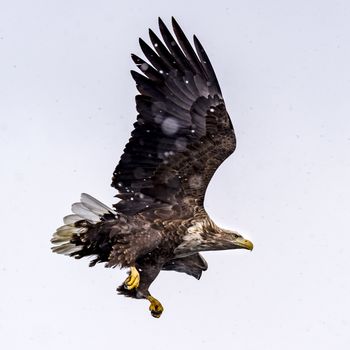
{"x":142,"y":42}
{"x":175,"y":24}
{"x":161,"y":24}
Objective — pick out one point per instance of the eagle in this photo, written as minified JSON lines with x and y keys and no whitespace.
{"x":182,"y":134}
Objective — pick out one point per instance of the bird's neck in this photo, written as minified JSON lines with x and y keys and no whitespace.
{"x":203,"y":235}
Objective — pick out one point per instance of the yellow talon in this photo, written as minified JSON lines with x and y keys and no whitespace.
{"x":156,"y":307}
{"x":133,"y":280}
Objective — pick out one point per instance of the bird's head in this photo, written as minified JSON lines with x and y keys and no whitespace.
{"x":206,"y":235}
{"x":234,"y":240}
{"x":240,"y":242}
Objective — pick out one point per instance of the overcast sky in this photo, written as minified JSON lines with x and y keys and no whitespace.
{"x":66,"y":112}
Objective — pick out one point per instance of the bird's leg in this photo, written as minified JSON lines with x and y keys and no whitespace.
{"x":156,"y":307}
{"x":149,"y":271}
{"x":138,"y":282}
{"x":133,"y":279}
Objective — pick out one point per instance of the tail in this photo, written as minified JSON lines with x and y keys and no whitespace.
{"x":79,"y":235}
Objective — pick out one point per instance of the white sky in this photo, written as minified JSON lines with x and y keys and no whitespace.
{"x":66,"y":111}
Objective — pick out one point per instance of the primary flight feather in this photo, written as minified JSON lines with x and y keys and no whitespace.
{"x":182,"y":135}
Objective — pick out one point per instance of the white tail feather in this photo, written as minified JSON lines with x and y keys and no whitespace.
{"x":84,"y":212}
{"x":89,"y":209}
{"x":63,"y":236}
{"x":66,"y":248}
{"x":95,"y":205}
{"x":71,"y":219}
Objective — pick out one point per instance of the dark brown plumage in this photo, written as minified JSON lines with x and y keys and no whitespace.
{"x":182,"y":135}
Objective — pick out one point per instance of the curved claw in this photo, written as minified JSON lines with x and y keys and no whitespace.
{"x":133,"y":280}
{"x":156,"y":307}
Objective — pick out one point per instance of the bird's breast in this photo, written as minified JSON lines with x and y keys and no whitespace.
{"x":192,"y":240}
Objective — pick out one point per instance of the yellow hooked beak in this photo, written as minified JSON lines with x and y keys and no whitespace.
{"x":244,"y":243}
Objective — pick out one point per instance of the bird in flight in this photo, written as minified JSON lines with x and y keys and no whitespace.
{"x":182,"y":134}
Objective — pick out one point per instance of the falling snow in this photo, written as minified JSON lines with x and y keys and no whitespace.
{"x":144,"y":67}
{"x":170,"y":126}
{"x":158,"y":118}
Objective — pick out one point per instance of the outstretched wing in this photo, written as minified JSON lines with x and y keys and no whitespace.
{"x":183,"y":131}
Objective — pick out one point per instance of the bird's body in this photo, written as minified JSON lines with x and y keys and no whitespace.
{"x":182,"y":135}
